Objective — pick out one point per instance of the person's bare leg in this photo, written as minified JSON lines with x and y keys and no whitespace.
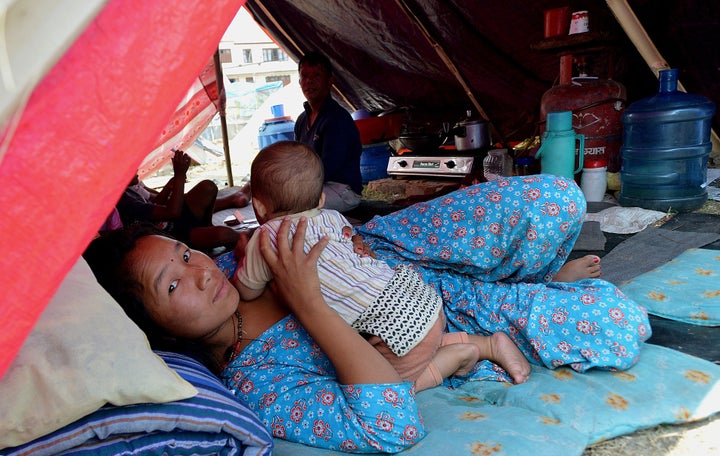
{"x":587,"y":267}
{"x":451,"y":359}
{"x":201,"y":201}
{"x":210,"y":237}
{"x":500,"y":349}
{"x":456,"y":359}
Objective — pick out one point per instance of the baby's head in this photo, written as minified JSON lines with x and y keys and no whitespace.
{"x":286,"y":177}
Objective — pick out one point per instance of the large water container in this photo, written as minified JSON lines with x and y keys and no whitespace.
{"x":666,"y":145}
{"x":274,"y":130}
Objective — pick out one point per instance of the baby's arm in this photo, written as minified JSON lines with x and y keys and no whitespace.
{"x":252,"y":274}
{"x":246,"y":293}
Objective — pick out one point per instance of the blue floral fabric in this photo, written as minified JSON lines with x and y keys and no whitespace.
{"x":292,"y":386}
{"x":560,"y":411}
{"x":492,"y":249}
{"x":684,"y":289}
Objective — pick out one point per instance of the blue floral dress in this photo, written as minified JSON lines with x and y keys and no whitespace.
{"x":290,"y":384}
{"x":492,"y":249}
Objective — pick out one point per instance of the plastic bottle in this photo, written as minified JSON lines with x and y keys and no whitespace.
{"x":593,"y":181}
{"x":496,"y":164}
{"x":666,"y":145}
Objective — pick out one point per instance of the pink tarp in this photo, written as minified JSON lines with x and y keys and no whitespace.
{"x":83,"y":134}
{"x":190,"y":118}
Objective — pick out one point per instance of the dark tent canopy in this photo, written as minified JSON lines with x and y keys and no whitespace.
{"x":439,"y":58}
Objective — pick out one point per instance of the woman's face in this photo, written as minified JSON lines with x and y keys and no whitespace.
{"x":183,"y":290}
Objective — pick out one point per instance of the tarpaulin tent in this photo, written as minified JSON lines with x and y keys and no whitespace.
{"x":443,"y":57}
{"x":115,"y":71}
{"x":68,"y":152}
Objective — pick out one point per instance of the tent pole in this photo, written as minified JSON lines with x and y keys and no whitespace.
{"x":221,"y":111}
{"x":636,"y":32}
{"x":449,"y":63}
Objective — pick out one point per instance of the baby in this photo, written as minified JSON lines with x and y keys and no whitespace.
{"x":401,"y":315}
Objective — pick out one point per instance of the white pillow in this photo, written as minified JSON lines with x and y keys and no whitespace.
{"x":82,"y":353}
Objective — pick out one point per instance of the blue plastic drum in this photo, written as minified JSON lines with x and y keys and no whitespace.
{"x":274,"y":130}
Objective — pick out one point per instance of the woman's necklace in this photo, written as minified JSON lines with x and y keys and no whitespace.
{"x":233,"y":349}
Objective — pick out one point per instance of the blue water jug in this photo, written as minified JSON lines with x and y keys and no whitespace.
{"x":666,"y":145}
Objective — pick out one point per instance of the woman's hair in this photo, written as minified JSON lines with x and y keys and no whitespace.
{"x":289,"y":176}
{"x":107,"y":256}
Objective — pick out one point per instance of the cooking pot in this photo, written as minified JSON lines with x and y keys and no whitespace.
{"x":417,"y":143}
{"x":471,"y":135}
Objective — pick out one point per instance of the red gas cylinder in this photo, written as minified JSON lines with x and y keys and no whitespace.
{"x":597,"y":106}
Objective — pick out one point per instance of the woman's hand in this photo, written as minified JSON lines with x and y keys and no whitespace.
{"x":296,"y":280}
{"x":295,"y":273}
{"x":361,"y":248}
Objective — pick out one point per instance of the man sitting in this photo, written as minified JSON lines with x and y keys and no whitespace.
{"x":186,"y":216}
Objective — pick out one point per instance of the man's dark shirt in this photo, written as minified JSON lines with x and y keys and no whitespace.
{"x":335,"y":138}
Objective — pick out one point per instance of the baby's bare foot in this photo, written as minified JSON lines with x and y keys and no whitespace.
{"x":587,"y":267}
{"x":502,"y":350}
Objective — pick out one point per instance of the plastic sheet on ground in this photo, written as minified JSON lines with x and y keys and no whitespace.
{"x":624,"y":220}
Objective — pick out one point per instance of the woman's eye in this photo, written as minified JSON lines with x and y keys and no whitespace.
{"x":173,"y":285}
{"x":186,"y":256}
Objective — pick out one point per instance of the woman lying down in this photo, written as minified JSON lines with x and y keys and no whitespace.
{"x":495,"y":252}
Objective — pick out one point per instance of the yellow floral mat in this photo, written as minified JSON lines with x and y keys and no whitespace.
{"x":687,"y":288}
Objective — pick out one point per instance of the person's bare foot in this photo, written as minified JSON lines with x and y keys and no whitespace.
{"x":502,"y":350}
{"x":240,"y":199}
{"x":587,"y":267}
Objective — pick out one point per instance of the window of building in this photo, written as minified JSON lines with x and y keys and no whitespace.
{"x":247,"y":55}
{"x":250,"y":79}
{"x":284,"y":78}
{"x":274,"y":55}
{"x":225,"y":56}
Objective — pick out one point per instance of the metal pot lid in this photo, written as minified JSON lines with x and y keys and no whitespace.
{"x":469,"y":120}
{"x":466,"y":122}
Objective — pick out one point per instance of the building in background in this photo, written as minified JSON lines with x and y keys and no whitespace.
{"x":248,"y":55}
{"x":258,"y":74}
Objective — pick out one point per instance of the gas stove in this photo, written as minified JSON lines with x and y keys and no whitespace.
{"x":437,"y":166}
{"x":452,"y":164}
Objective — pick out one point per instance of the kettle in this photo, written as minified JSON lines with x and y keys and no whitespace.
{"x":557,"y":150}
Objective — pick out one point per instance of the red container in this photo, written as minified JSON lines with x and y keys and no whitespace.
{"x":557,"y":21}
{"x":597,"y":106}
{"x":378,"y":129}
